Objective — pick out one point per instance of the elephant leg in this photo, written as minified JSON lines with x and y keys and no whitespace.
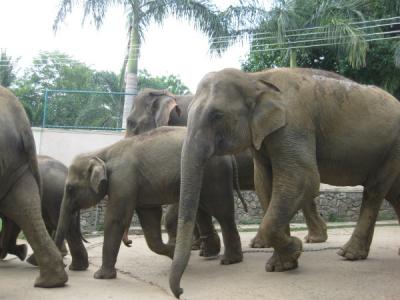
{"x":263,"y":186}
{"x":116,"y":220}
{"x":233,"y":247}
{"x":171,"y":222}
{"x":289,"y":191}
{"x":63,"y":250}
{"x":150,"y":220}
{"x":317,"y":229}
{"x":394,"y":199}
{"x":376,"y":188}
{"x":197,"y":241}
{"x":22,"y":205}
{"x":210,"y":242}
{"x":80,"y":261}
{"x":358,"y":245}
{"x":9,"y":237}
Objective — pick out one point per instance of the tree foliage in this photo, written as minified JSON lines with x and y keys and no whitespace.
{"x":171,"y":83}
{"x":7,"y":69}
{"x":58,"y":71}
{"x":374,"y":64}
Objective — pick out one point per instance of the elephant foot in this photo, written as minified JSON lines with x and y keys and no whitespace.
{"x":286,"y":258}
{"x":316,"y":237}
{"x":52,"y":279}
{"x":21,"y":251}
{"x":196,"y":244}
{"x":32,"y":260}
{"x":104,"y":273}
{"x":229,"y":259}
{"x":210,"y":246}
{"x":78,"y":266}
{"x":354,"y":249}
{"x":258,"y":242}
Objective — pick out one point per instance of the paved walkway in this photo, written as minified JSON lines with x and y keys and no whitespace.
{"x":144,"y":275}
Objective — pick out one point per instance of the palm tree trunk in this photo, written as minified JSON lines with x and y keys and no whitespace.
{"x":132,"y":65}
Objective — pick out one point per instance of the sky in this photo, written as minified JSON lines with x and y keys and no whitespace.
{"x":174,"y":48}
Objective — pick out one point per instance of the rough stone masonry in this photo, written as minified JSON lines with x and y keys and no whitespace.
{"x":334,"y":204}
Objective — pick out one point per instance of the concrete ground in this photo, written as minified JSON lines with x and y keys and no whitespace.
{"x":322,"y":274}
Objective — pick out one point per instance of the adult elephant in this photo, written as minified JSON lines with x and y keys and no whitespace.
{"x":53,"y":174}
{"x":155,"y":108}
{"x":142,"y":173}
{"x":303,"y":129}
{"x":20,"y":188}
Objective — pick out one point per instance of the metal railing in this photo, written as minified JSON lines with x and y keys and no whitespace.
{"x":80,"y":109}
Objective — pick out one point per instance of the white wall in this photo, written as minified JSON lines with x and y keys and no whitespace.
{"x":65,"y":144}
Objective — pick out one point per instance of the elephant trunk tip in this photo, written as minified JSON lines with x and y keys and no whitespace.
{"x":176,"y":289}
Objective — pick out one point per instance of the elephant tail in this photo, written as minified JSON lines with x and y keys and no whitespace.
{"x":236,"y":183}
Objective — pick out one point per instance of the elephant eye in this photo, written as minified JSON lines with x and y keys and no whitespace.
{"x":70,"y":189}
{"x":216,"y":115}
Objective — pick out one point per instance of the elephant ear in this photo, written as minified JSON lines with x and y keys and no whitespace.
{"x":269,"y":113}
{"x":163,"y":108}
{"x":98,"y":175}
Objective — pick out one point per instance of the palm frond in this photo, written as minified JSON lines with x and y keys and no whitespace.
{"x":96,"y":9}
{"x":348,"y":39}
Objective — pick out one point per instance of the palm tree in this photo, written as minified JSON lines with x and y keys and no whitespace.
{"x":294,"y":25}
{"x":203,"y":14}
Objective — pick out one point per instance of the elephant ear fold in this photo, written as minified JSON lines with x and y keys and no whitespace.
{"x":165,"y":106}
{"x":98,"y":175}
{"x":269,"y":113}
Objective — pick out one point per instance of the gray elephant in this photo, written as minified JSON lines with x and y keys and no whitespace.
{"x":142,"y":173}
{"x":53,"y":174}
{"x":20,"y":189}
{"x":154,"y":108}
{"x":303,"y":128}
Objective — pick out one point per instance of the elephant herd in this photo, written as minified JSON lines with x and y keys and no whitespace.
{"x":280,"y":132}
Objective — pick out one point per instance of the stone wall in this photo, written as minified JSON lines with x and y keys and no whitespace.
{"x":334,"y":205}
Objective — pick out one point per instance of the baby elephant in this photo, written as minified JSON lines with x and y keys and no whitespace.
{"x":53,"y":174}
{"x":142,"y":173}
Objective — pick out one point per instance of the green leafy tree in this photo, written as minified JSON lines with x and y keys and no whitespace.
{"x":170,"y":82}
{"x":7,"y":69}
{"x":381,"y":57}
{"x":332,"y":19}
{"x":58,"y":71}
{"x":202,"y":13}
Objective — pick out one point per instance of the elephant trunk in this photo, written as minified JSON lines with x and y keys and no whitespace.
{"x":192,"y":169}
{"x":63,"y":222}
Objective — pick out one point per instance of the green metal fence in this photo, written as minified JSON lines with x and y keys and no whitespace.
{"x":74,"y":109}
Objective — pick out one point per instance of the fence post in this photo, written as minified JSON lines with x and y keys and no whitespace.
{"x":44,"y":108}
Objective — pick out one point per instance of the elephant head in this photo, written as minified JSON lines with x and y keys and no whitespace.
{"x":231,"y":111}
{"x":151,"y":109}
{"x":85,"y":186}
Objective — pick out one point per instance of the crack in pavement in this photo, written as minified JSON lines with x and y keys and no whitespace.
{"x":138,"y":278}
